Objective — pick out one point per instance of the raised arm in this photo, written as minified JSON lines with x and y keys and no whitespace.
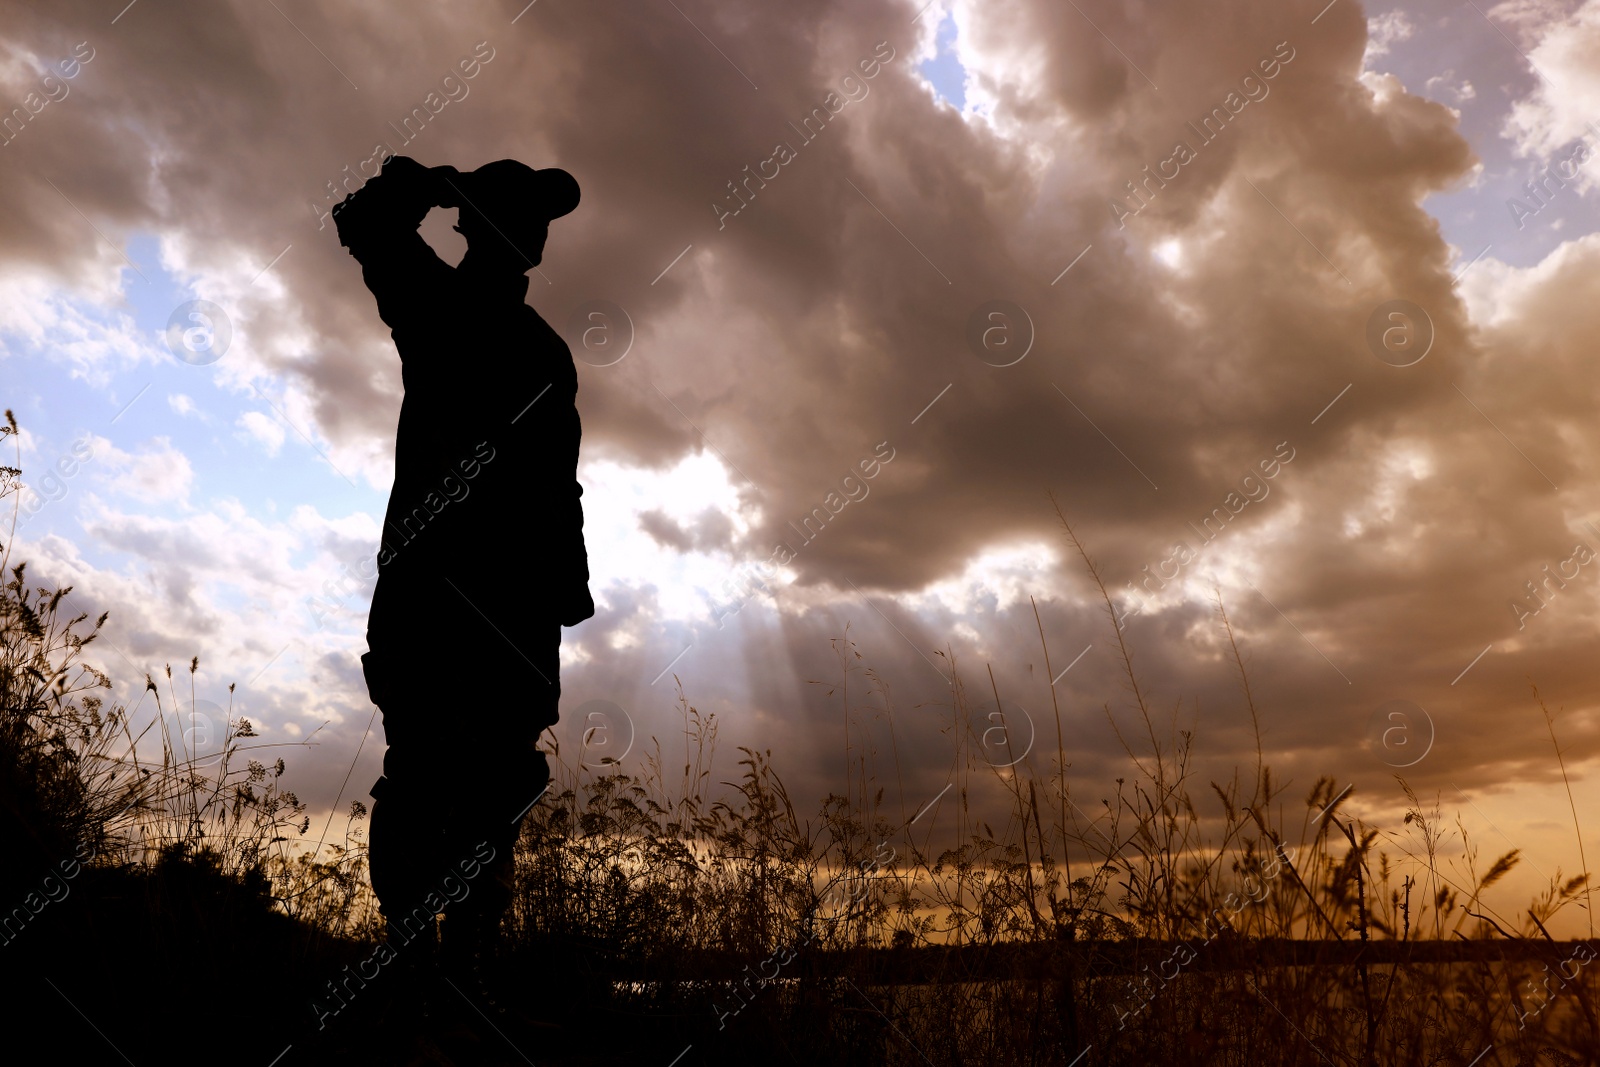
{"x":378,"y":224}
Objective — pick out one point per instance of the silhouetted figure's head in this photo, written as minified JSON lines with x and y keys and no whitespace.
{"x":505,"y":211}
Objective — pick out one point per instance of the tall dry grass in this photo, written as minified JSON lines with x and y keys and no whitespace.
{"x":1174,"y":920}
{"x":1158,"y":918}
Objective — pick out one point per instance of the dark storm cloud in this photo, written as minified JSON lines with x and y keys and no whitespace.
{"x":828,"y":314}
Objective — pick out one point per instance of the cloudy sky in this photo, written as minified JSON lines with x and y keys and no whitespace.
{"x":1275,"y":266}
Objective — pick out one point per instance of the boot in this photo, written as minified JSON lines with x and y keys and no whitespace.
{"x":414,"y":975}
{"x":466,"y":945}
{"x":467,"y":959}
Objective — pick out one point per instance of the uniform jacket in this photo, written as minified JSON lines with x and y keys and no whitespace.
{"x":485,"y":520}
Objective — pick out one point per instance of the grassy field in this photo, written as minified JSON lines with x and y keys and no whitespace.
{"x":163,"y":907}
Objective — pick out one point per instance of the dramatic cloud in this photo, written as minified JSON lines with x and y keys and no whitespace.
{"x":1561,"y":110}
{"x":1386,"y":30}
{"x":1149,"y":270}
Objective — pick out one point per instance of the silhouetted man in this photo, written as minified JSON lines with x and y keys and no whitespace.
{"x":482,"y":560}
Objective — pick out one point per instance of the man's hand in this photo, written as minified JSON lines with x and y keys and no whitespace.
{"x":400,"y":196}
